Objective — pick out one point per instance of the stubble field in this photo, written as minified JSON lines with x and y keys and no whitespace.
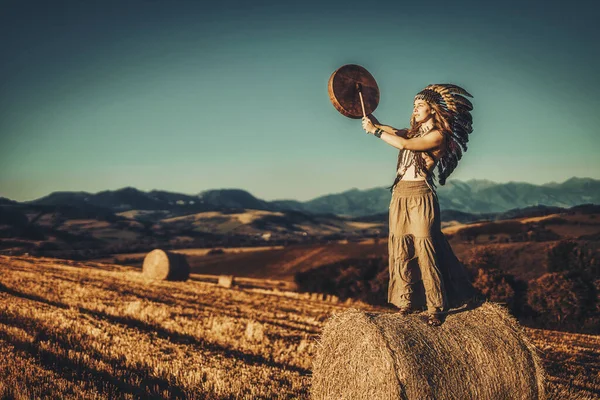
{"x":89,"y":330}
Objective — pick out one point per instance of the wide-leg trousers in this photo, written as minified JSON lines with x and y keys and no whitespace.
{"x":424,"y":272}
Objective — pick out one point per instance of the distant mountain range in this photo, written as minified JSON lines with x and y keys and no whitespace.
{"x":473,"y":197}
{"x":80,"y":224}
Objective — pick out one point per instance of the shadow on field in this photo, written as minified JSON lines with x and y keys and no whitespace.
{"x":182,"y":338}
{"x":173,"y":337}
{"x":164,"y":298}
{"x":56,"y":359}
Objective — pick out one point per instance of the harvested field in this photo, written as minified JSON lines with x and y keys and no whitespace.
{"x":86,"y":330}
{"x":273,"y":262}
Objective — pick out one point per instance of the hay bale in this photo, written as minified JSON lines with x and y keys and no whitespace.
{"x":330,"y":298}
{"x":164,"y":265}
{"x":225,"y":281}
{"x":477,"y":354}
{"x":255,"y":331}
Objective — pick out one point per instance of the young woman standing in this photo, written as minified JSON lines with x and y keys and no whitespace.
{"x":423,"y":268}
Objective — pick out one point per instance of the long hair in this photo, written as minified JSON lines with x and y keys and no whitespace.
{"x":440,"y":122}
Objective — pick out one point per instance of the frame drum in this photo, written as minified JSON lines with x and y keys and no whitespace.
{"x":344,"y":87}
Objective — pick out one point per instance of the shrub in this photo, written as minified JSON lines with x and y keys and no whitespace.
{"x":571,"y":255}
{"x":365,"y":279}
{"x":559,"y":299}
{"x":496,"y":286}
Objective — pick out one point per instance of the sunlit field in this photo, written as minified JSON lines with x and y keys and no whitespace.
{"x":89,"y":330}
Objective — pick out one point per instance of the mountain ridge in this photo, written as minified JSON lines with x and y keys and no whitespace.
{"x":471,"y":196}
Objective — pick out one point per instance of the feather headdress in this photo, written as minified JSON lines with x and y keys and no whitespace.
{"x":450,"y":98}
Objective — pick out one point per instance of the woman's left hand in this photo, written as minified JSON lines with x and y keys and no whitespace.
{"x":368,"y":125}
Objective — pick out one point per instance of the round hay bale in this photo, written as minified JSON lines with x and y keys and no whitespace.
{"x":478,"y":354}
{"x":164,"y":265}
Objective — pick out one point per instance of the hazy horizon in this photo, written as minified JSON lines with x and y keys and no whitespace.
{"x":185,"y":97}
{"x":258,"y":196}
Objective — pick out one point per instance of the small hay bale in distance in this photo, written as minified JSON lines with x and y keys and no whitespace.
{"x":255,"y":331}
{"x":225,"y":281}
{"x":163,"y":265}
{"x":478,"y":354}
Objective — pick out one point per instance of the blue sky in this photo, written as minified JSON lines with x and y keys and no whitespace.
{"x":181,"y":96}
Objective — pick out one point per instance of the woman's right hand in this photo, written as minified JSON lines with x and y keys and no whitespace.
{"x":373,"y":119}
{"x":367,"y":125}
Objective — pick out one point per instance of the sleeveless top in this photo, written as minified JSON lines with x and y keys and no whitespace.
{"x":406,"y":166}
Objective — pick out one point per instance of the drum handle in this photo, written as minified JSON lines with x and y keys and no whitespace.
{"x":362,"y":104}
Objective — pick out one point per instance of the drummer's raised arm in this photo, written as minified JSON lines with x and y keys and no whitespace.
{"x":391,"y":130}
{"x":430,"y":141}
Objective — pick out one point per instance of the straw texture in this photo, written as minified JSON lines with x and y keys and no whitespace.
{"x":477,"y":354}
{"x":163,"y":265}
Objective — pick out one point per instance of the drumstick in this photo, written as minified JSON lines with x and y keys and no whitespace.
{"x":362,"y":104}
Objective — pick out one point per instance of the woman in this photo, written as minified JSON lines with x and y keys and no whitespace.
{"x":423,"y":268}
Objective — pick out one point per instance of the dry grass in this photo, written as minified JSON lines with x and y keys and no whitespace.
{"x":573,"y":231}
{"x":244,"y":217}
{"x":572,"y":363}
{"x":538,"y":219}
{"x":199,"y":252}
{"x":570,"y":226}
{"x":364,"y":225}
{"x":83,"y":330}
{"x":452,"y":229}
{"x":477,"y":354}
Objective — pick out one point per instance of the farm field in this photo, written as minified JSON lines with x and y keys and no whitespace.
{"x":276,"y":262}
{"x":525,"y":260}
{"x":91,"y":330}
